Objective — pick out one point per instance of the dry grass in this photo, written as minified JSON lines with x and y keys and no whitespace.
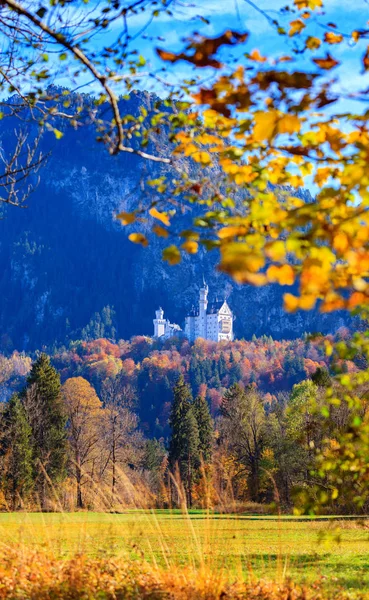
{"x":38,"y":576}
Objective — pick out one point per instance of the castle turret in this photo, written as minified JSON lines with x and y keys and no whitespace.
{"x":159,"y":323}
{"x":203,"y":305}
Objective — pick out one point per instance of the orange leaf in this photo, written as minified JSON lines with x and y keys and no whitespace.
{"x":126,"y":218}
{"x":190,"y":246}
{"x":160,"y":231}
{"x":256,"y":56}
{"x":333,"y":38}
{"x":296,"y":27}
{"x":138,"y":238}
{"x":165,"y":55}
{"x":284,"y":275}
{"x":289,"y":124}
{"x":366,"y":59}
{"x":326,"y":63}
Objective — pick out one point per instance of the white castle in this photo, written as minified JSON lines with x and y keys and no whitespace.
{"x":209,"y":321}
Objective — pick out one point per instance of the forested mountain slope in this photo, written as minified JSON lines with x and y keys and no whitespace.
{"x":65,"y":257}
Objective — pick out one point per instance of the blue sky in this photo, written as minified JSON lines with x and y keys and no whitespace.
{"x":168,"y":32}
{"x":237,"y":14}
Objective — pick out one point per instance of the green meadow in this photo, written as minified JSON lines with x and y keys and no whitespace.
{"x":335,"y":550}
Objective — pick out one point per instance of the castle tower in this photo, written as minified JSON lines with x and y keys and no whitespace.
{"x":203,"y":305}
{"x":159,"y":323}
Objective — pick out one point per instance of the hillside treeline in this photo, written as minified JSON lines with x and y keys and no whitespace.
{"x":73,"y":445}
{"x":148,"y":370}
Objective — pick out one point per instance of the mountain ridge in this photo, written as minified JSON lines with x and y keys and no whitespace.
{"x":66,"y":257}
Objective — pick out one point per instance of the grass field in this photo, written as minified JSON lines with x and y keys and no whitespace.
{"x":306,"y":550}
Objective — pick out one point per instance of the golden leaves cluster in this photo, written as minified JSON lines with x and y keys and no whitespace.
{"x":276,"y":234}
{"x":255,"y":136}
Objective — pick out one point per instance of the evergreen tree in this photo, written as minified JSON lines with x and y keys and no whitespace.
{"x":321,"y":378}
{"x":184,"y":442}
{"x":206,"y":428}
{"x":46,"y":416}
{"x":16,"y":452}
{"x":180,"y":406}
{"x":235,"y":373}
{"x":190,"y":463}
{"x":222,"y":366}
{"x":206,"y":370}
{"x":216,"y":381}
{"x":195,"y":375}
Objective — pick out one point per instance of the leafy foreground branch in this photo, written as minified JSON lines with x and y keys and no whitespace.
{"x":40,"y":576}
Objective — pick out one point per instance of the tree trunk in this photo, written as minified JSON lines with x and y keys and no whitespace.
{"x":189,"y":483}
{"x":114,"y":461}
{"x":79,"y":479}
{"x":254,"y":480}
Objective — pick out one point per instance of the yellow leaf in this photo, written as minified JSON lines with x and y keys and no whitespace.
{"x":296,"y":27}
{"x":313,"y":43}
{"x":307,"y":301}
{"x":333,"y":38}
{"x":239,"y":261}
{"x":340,"y":242}
{"x":289,"y":124}
{"x":126,"y":218}
{"x":58,"y":134}
{"x":138,"y":238}
{"x":201,"y":157}
{"x":265,"y":125}
{"x":284,"y":275}
{"x":275,"y":250}
{"x":308,"y":4}
{"x":163,"y":217}
{"x":190,"y":246}
{"x":291,"y":303}
{"x":321,"y":175}
{"x":172,"y":255}
{"x":231,"y":231}
{"x":334,"y":495}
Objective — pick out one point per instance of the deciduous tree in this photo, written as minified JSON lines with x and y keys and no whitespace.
{"x":243,"y":427}
{"x":84,"y":412}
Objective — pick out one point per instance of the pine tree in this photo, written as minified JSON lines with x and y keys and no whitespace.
{"x":181,"y":405}
{"x":321,"y":378}
{"x":46,"y":416}
{"x":184,"y":442}
{"x":190,"y":462}
{"x":235,"y":373}
{"x":16,"y":452}
{"x":206,"y":428}
{"x":222,"y":366}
